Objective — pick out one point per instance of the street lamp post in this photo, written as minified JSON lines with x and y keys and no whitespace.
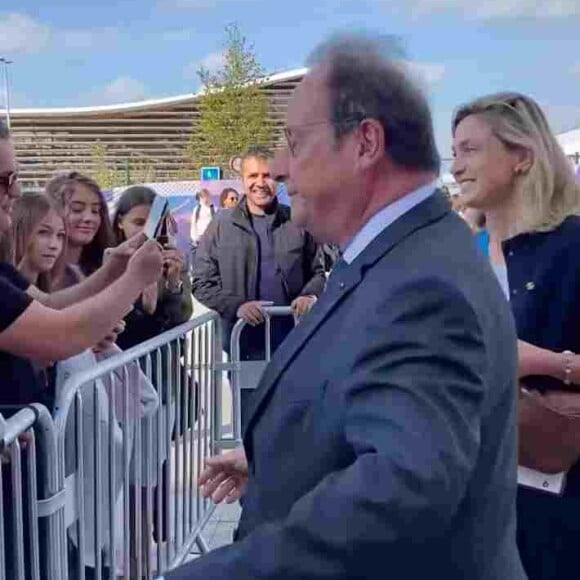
{"x":6,"y":62}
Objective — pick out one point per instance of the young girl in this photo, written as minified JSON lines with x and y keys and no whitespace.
{"x":89,"y":230}
{"x":38,"y":238}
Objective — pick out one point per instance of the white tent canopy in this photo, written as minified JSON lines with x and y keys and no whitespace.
{"x":570,"y":141}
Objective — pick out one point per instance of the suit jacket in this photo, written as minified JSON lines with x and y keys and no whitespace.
{"x":383,"y":440}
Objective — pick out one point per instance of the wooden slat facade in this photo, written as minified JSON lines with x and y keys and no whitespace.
{"x":144,"y":135}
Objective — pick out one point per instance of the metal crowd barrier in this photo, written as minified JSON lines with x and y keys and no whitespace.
{"x":107,"y":487}
{"x":247,"y":374}
{"x":135,"y":509}
{"x":29,"y":501}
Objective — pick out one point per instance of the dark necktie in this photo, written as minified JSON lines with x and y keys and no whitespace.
{"x":336,"y":274}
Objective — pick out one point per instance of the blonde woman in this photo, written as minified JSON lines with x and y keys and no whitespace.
{"x":509,"y":165}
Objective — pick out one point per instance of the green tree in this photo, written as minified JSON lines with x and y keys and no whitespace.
{"x":106,"y":175}
{"x":233,"y":110}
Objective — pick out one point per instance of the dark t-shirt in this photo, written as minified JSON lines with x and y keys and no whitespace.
{"x":270,"y":285}
{"x":19,"y":383}
{"x":270,"y":288}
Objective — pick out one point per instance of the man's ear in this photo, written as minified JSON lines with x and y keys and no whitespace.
{"x":371,"y":145}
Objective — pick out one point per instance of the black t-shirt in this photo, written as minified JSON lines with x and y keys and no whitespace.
{"x":19,"y":383}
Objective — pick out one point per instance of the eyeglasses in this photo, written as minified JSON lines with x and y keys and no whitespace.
{"x":289,"y":132}
{"x":8,"y":181}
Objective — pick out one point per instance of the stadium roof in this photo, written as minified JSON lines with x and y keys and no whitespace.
{"x":140,"y":141}
{"x":146,"y":104}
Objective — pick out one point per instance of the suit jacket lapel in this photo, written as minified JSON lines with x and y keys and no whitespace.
{"x":426,"y":212}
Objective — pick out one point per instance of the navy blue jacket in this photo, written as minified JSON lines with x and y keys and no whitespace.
{"x":383,"y":439}
{"x":544,"y":279}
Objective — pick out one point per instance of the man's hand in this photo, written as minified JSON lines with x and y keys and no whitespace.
{"x":146,"y":264}
{"x":117,"y":258}
{"x":110,"y":339}
{"x":302,"y":304}
{"x":252,"y":312}
{"x":225,"y":476}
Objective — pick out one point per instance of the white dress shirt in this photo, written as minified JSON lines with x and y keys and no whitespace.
{"x":383,"y":219}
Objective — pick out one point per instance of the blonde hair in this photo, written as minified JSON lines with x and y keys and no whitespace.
{"x":29,"y":211}
{"x":548,"y":190}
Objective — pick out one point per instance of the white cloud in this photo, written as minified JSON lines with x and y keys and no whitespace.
{"x":212,"y":62}
{"x":427,"y":73}
{"x":19,"y":33}
{"x":490,"y":9}
{"x":120,"y":90}
{"x":88,"y":39}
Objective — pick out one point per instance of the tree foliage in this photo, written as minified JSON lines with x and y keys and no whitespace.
{"x":233,"y":110}
{"x":106,"y":175}
{"x":127,"y":170}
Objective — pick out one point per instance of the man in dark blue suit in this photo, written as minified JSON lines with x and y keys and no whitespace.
{"x":383,"y":438}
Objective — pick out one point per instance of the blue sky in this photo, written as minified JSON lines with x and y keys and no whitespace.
{"x":69,"y":53}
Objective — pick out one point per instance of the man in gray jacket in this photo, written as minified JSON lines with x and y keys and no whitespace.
{"x":253,"y":254}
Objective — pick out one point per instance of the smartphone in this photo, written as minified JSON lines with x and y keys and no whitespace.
{"x":157,"y":217}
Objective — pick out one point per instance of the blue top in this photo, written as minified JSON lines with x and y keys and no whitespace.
{"x":482,"y":238}
{"x":544,"y":282}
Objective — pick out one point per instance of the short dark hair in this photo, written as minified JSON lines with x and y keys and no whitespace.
{"x":365,"y":83}
{"x":256,"y":152}
{"x":4,"y":131}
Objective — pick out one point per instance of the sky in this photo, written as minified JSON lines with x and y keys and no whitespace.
{"x":69,"y":53}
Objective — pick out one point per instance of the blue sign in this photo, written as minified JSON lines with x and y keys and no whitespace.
{"x":210,"y":173}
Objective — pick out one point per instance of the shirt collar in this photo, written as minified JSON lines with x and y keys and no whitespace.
{"x":384,"y":218}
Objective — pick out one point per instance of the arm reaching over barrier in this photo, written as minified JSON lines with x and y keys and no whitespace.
{"x":41,"y":333}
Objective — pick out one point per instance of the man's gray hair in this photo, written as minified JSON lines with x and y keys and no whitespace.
{"x":367,"y":79}
{"x":4,"y":132}
{"x":256,"y":152}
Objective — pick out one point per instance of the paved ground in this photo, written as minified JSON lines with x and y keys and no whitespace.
{"x":222,"y":525}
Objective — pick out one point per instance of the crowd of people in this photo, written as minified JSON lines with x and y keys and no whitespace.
{"x":420,"y":412}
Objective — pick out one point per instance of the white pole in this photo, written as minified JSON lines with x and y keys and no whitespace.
{"x":6,"y":90}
